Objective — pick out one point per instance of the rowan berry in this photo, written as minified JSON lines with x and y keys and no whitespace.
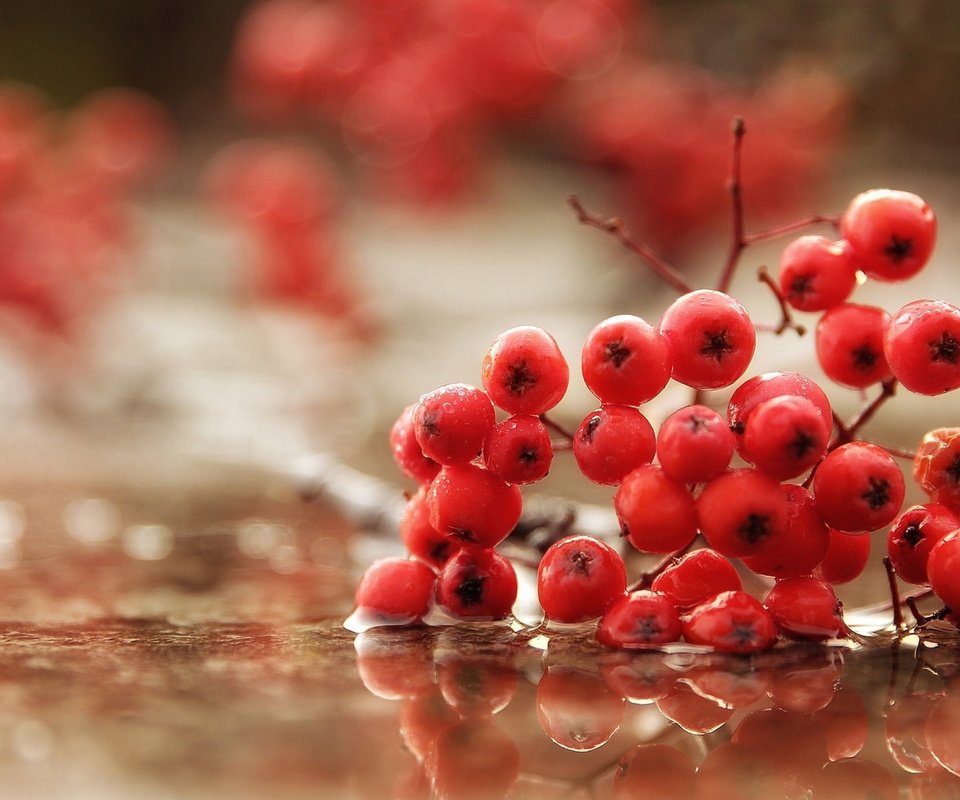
{"x":524,"y":371}
{"x":858,"y":487}
{"x":696,"y":578}
{"x":846,"y":558}
{"x":817,"y":273}
{"x":711,"y":337}
{"x":891,"y":232}
{"x":518,"y":450}
{"x":639,"y":619}
{"x":406,"y":450}
{"x":613,"y":441}
{"x":451,"y":422}
{"x":786,"y":436}
{"x":470,"y":506}
{"x":740,"y":510}
{"x":396,"y":591}
{"x":420,"y":538}
{"x":800,"y":546}
{"x":578,"y":578}
{"x":657,"y":514}
{"x":626,"y":360}
{"x":936,"y":467}
{"x":922,"y":346}
{"x":943,"y":566}
{"x":694,"y":444}
{"x":849,"y":345}
{"x":732,"y":622}
{"x":693,"y":712}
{"x":805,"y":608}
{"x":477,"y":584}
{"x":913,"y":535}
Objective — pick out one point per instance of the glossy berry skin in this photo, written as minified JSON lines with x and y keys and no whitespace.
{"x":711,"y":337}
{"x":576,"y":708}
{"x":420,"y":538}
{"x":891,"y":232}
{"x":943,"y":567}
{"x":657,"y":514}
{"x":768,"y":386}
{"x":913,"y":535}
{"x":638,"y":620}
{"x":858,"y":487}
{"x":578,"y":578}
{"x":817,"y":273}
{"x":406,"y":450}
{"x":922,"y":346}
{"x":694,"y":444}
{"x":936,"y":467}
{"x":477,"y":584}
{"x":786,"y":436}
{"x":800,"y":546}
{"x":626,"y":360}
{"x":732,"y":622}
{"x":472,"y":507}
{"x":451,"y":422}
{"x":518,"y":450}
{"x":696,"y":578}
{"x":849,"y":345}
{"x":846,"y":558}
{"x":398,"y":590}
{"x":613,"y":441}
{"x":524,"y":371}
{"x":740,"y":510}
{"x":805,"y":608}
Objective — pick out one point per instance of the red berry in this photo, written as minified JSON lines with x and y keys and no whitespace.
{"x":858,"y":487}
{"x":922,"y":346}
{"x":451,"y":422}
{"x":398,"y":590}
{"x":420,"y":537}
{"x":406,"y":450}
{"x":816,"y":273}
{"x":518,"y":450}
{"x":846,"y":558}
{"x":740,"y":510}
{"x":786,"y":436}
{"x":639,"y":619}
{"x":471,"y":506}
{"x":613,"y":441}
{"x":711,"y":337}
{"x":524,"y":371}
{"x":733,"y":622}
{"x":626,"y":360}
{"x":800,"y":546}
{"x":694,"y":444}
{"x":697,"y":577}
{"x":936,"y":467}
{"x":805,"y":608}
{"x":656,"y":513}
{"x":849,"y":343}
{"x":913,"y":535}
{"x":578,"y":578}
{"x":892,"y":233}
{"x":477,"y":584}
{"x":943,"y":567}
{"x":693,"y":712}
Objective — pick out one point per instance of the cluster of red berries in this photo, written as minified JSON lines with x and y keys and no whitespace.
{"x":64,"y":180}
{"x":781,"y":425}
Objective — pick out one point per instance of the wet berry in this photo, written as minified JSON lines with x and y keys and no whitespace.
{"x":639,"y":619}
{"x":697,"y":577}
{"x":740,"y":510}
{"x":846,"y":557}
{"x":786,"y":436}
{"x":578,"y":578}
{"x":817,"y":273}
{"x":396,"y":590}
{"x":451,"y":422}
{"x":518,"y":450}
{"x":626,"y":360}
{"x":849,"y":344}
{"x":473,"y":507}
{"x":797,"y":548}
{"x":922,"y":346}
{"x":943,"y":566}
{"x":805,"y":608}
{"x":406,"y":450}
{"x":477,"y":584}
{"x":657,"y":514}
{"x":732,"y":622}
{"x":613,"y":441}
{"x":913,"y":535}
{"x":858,"y":487}
{"x":524,"y":371}
{"x":694,"y":444}
{"x":420,"y":538}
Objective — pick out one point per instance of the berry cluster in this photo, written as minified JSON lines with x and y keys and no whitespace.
{"x":779,"y":484}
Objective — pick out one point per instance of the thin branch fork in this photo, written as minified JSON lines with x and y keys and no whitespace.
{"x":792,"y":227}
{"x":786,"y":317}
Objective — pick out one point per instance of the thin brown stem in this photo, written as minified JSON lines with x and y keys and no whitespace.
{"x":792,"y":227}
{"x":847,"y":432}
{"x":735,"y":187}
{"x":896,"y":602}
{"x":615,"y":227}
{"x":786,"y":318}
{"x":898,"y":452}
{"x":557,"y":428}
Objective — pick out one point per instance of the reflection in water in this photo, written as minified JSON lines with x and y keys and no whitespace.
{"x":486,"y":716}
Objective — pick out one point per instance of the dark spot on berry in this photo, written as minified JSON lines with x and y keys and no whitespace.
{"x":800,"y":287}
{"x":878,"y":495}
{"x":716,"y":345}
{"x":898,"y":249}
{"x":802,"y":445}
{"x":912,"y":535}
{"x":754,"y":528}
{"x":738,"y":428}
{"x":946,"y":348}
{"x":616,"y":352}
{"x":528,"y":455}
{"x":462,"y":534}
{"x":581,"y":562}
{"x":624,"y":530}
{"x":646,"y":628}
{"x":953,"y":471}
{"x":429,"y":422}
{"x":864,"y":357}
{"x":519,"y":379}
{"x":742,"y":633}
{"x":696,"y":422}
{"x":470,"y":590}
{"x":591,"y":428}
{"x":440,"y":551}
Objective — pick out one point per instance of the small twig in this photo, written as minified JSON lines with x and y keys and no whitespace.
{"x":792,"y":227}
{"x":614,"y":226}
{"x":920,"y":618}
{"x":898,"y":452}
{"x":735,"y":187}
{"x":648,"y":577}
{"x":557,"y":428}
{"x":786,"y":318}
{"x":896,"y":602}
{"x":847,"y":432}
